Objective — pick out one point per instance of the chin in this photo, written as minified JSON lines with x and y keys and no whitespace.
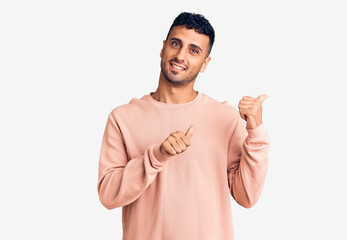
{"x":174,"y":80}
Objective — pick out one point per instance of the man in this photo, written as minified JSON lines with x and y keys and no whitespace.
{"x":173,"y":158}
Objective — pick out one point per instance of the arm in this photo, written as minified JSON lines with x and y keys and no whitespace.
{"x":121,"y":182}
{"x":247,"y":163}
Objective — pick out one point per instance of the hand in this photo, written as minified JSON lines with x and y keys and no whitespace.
{"x":177,"y":142}
{"x":251,"y":110}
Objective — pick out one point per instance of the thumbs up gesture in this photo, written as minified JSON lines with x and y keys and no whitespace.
{"x":177,"y":142}
{"x":251,"y":110}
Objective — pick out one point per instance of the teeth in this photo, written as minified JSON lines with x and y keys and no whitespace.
{"x":177,"y":67}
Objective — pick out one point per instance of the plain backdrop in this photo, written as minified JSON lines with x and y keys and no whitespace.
{"x":64,"y":65}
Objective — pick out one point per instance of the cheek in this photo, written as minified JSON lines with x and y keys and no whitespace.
{"x":197,"y":64}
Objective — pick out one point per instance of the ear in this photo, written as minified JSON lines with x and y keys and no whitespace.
{"x":162,"y":49}
{"x":204,"y":65}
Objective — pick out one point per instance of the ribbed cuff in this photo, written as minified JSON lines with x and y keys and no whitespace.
{"x":257,"y":132}
{"x":157,"y":154}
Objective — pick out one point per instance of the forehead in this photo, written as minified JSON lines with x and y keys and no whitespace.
{"x":189,"y":36}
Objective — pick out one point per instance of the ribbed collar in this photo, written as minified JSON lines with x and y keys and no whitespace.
{"x":149,"y":98}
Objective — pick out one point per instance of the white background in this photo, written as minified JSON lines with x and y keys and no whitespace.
{"x":64,"y":65}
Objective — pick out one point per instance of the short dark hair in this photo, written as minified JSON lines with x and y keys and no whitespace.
{"x":194,"y":21}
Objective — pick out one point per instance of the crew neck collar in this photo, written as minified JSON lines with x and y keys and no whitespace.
{"x":173,"y":105}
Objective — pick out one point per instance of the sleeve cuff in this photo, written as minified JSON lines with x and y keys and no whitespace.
{"x":257,"y":132}
{"x":157,"y":154}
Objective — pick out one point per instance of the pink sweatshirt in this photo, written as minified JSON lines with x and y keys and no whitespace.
{"x":185,"y":196}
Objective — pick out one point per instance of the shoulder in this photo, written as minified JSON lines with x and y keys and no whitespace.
{"x":127,"y":109}
{"x":221,"y":106}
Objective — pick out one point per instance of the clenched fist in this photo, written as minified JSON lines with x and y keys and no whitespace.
{"x":251,"y":110}
{"x":177,"y":142}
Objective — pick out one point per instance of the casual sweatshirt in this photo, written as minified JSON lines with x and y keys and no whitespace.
{"x":188,"y":195}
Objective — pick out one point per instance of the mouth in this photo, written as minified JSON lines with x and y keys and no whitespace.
{"x":177,"y":67}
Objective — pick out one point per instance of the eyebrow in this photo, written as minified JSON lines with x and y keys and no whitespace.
{"x":193,"y":45}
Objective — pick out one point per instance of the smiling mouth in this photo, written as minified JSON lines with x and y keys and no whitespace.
{"x":177,"y":67}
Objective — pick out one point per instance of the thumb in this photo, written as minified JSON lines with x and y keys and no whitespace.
{"x":190,"y":131}
{"x":262,"y":97}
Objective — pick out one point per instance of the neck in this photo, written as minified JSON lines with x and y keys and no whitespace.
{"x":168,"y":92}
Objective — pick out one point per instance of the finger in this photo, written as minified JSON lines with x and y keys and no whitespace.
{"x":190,"y":131}
{"x":246,"y":106}
{"x":262,"y":97}
{"x":179,"y":135}
{"x":186,"y":140}
{"x":177,"y":147}
{"x":174,"y":145}
{"x":248,"y":112}
{"x":181,"y":144}
{"x":248,"y":97}
{"x":169,"y":149}
{"x":248,"y":100}
{"x":242,"y":115}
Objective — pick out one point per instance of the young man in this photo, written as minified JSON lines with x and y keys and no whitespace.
{"x":173,"y":158}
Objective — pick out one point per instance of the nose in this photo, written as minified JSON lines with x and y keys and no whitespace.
{"x":180,"y":55}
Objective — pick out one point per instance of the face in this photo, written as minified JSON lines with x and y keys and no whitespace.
{"x":184,"y":55}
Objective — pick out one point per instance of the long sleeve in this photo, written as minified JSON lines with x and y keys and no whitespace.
{"x":247,"y":163}
{"x":121,"y":180}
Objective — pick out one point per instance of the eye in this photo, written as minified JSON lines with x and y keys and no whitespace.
{"x":175,"y":44}
{"x":194,"y":50}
